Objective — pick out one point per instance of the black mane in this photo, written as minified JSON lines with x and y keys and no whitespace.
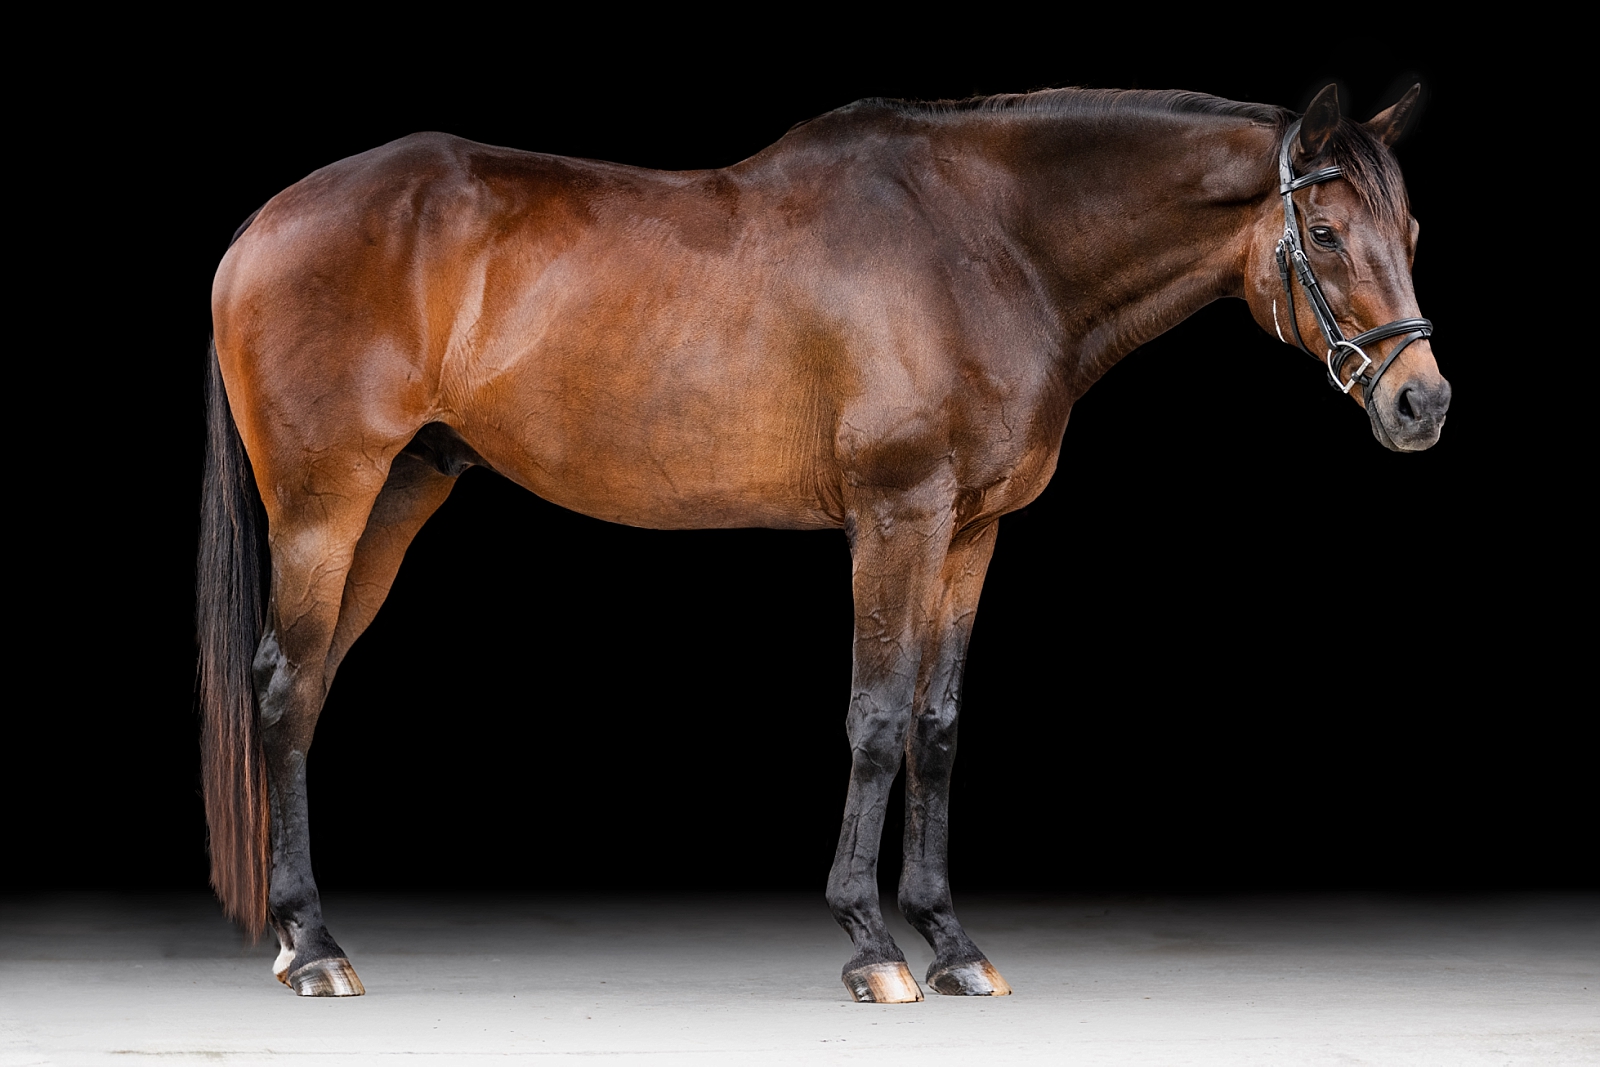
{"x":1096,"y":103}
{"x":1368,"y":164}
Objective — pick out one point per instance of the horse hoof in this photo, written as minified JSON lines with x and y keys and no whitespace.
{"x":975,"y":979}
{"x":332,"y":977}
{"x":883,"y":983}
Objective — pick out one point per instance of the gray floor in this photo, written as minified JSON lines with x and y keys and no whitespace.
{"x":1222,"y":980}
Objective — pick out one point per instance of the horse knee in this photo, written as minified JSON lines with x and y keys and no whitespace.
{"x":878,"y":733}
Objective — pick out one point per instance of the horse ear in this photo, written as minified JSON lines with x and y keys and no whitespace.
{"x":1318,"y":124}
{"x":1388,"y":126}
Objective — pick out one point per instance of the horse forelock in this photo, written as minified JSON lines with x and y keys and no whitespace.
{"x":1370,"y":167}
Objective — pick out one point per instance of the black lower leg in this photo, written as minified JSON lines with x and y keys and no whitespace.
{"x":292,"y":899}
{"x":924,"y":885}
{"x":294,"y":906}
{"x":958,"y":966}
{"x":877,"y":740}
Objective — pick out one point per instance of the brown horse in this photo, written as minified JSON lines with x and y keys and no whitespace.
{"x":879,"y":324}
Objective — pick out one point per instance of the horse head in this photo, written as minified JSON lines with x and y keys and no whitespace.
{"x":1329,"y":268}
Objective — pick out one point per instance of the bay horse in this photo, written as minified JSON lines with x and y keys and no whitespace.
{"x":878,"y":324}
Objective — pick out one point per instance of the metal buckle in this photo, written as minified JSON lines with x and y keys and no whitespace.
{"x":1333,"y":373}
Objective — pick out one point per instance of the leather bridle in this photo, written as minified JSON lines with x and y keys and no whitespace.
{"x":1289,"y":251}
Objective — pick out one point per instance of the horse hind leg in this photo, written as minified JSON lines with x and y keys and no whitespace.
{"x":295,"y":665}
{"x":958,"y":967}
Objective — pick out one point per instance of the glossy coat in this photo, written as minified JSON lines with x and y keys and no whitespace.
{"x":880,"y":324}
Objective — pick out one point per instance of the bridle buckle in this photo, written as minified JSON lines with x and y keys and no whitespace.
{"x":1335,"y":368}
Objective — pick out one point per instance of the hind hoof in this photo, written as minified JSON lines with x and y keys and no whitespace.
{"x":883,"y":983}
{"x":281,"y":965}
{"x":333,"y":977}
{"x":975,"y":979}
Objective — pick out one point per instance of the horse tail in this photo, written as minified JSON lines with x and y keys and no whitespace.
{"x":228,"y":623}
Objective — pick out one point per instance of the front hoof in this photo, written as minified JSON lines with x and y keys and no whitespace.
{"x":883,"y":983}
{"x":977,"y":978}
{"x":332,"y":977}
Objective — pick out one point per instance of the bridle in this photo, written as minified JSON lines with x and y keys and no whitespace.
{"x":1290,"y":251}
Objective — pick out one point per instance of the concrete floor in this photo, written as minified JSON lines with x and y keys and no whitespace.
{"x":694,"y":980}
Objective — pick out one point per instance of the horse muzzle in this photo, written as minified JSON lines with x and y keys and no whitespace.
{"x":1408,"y":415}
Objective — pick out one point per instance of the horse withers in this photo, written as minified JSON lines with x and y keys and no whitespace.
{"x":879,"y":324}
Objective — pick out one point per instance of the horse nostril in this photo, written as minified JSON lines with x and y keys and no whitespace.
{"x":1420,"y":403}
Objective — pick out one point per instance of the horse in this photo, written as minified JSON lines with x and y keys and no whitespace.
{"x":879,"y":324}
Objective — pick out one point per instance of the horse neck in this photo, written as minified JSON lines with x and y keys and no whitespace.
{"x":1133,"y":222}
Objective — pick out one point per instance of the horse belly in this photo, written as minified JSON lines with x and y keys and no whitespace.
{"x":666,"y":437}
{"x":639,"y":374}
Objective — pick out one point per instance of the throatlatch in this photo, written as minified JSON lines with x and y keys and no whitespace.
{"x":1289,"y":250}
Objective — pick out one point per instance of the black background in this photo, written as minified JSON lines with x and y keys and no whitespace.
{"x":1235,"y":645}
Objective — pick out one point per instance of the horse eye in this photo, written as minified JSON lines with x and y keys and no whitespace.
{"x":1322,"y":235}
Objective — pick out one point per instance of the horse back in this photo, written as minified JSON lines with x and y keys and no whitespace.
{"x":664,"y":349}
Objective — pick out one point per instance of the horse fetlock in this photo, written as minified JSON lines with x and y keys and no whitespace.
{"x":931,"y":914}
{"x":862,"y":919}
{"x":303,"y":939}
{"x":943,"y":933}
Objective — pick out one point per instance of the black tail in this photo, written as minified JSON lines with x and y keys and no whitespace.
{"x":228,"y":621}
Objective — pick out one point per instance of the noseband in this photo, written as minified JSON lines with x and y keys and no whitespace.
{"x":1289,"y":251}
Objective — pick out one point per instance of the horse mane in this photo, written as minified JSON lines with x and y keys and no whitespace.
{"x":1096,"y":104}
{"x":1367,"y":162}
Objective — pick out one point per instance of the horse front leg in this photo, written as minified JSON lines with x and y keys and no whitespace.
{"x":897,"y":542}
{"x":958,"y":967}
